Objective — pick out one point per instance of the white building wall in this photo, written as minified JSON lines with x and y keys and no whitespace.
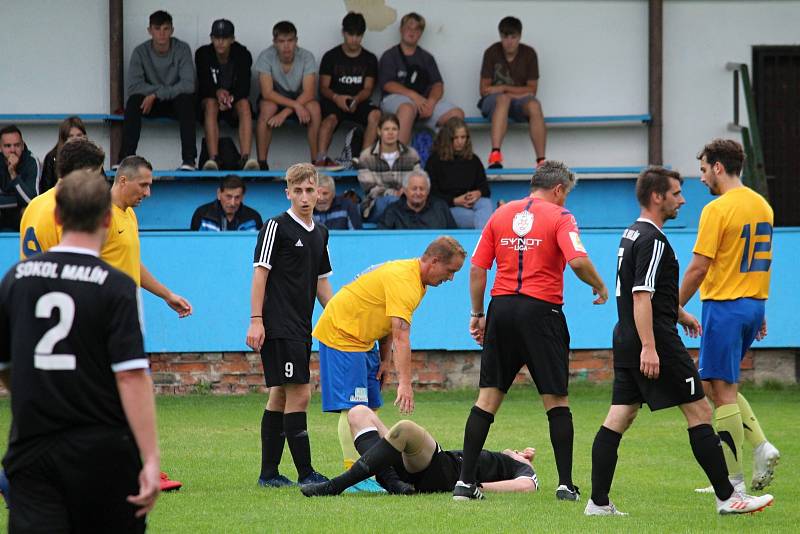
{"x":593,"y":60}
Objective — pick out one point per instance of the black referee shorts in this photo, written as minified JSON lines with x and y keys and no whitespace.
{"x":78,"y":484}
{"x":440,"y":476}
{"x":678,"y":383}
{"x":521,"y":330}
{"x":286,"y":361}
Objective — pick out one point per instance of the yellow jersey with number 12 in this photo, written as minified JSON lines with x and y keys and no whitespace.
{"x":736,"y":233}
{"x":122,"y":249}
{"x":38,"y":231}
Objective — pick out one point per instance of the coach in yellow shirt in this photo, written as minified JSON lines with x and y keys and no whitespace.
{"x":731,"y":266}
{"x":376,"y":306}
{"x":39,"y":231}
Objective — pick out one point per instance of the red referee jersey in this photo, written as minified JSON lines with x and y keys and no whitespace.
{"x":532,"y":240}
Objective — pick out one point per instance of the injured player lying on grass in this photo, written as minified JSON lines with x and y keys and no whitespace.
{"x":405,"y":459}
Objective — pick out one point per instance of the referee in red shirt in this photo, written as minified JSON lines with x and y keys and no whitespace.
{"x":531,"y":240}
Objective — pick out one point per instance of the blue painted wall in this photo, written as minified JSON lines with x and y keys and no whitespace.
{"x":600,"y":203}
{"x":214,"y":272}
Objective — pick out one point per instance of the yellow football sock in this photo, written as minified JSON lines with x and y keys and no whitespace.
{"x":729,"y":428}
{"x":752,"y":428}
{"x":349,"y":452}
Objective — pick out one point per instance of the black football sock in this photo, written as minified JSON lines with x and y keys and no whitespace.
{"x":387,"y":478}
{"x":561,"y":437}
{"x":296,"y":430}
{"x":373,"y":461}
{"x":475,"y":432}
{"x":272,"y":441}
{"x":707,"y":450}
{"x":604,"y":462}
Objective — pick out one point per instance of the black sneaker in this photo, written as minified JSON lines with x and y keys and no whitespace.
{"x":563,"y":493}
{"x":319,"y":489}
{"x":262,"y":165}
{"x":467,"y":492}
{"x":277,"y":481}
{"x":312,"y":478}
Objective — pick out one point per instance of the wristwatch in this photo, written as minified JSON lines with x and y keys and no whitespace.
{"x":476,"y":314}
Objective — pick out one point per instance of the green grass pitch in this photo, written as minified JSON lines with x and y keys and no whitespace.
{"x":212,"y":445}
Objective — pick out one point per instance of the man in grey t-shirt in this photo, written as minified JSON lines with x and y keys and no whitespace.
{"x":287,"y":77}
{"x":411,"y":83}
{"x":161,"y":84}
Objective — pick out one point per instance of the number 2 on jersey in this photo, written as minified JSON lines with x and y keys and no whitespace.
{"x":43,"y":357}
{"x":750,"y":263}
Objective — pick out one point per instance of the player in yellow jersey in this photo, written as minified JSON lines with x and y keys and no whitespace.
{"x":731,"y":267}
{"x":38,"y":229}
{"x":132,"y":185}
{"x":376,"y":306}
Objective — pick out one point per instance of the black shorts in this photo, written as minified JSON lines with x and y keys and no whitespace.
{"x":79,"y":484}
{"x":678,"y":383}
{"x":359,"y":116}
{"x":521,"y":330}
{"x":286,"y":361}
{"x":440,"y":476}
{"x":230,"y":116}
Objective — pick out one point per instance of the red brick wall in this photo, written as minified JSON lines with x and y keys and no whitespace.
{"x":239,"y":372}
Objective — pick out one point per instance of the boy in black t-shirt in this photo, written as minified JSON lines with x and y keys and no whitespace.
{"x":290,"y":269}
{"x":223,"y":88}
{"x":347,"y":77}
{"x":651,"y":364}
{"x":82,"y":454}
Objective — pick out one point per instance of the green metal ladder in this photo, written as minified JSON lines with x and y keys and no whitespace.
{"x":755,"y":175}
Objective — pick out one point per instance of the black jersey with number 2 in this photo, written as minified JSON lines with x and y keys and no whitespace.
{"x":68,"y":322}
{"x":297,"y":257}
{"x":646,"y":262}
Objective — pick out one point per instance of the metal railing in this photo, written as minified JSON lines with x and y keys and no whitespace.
{"x":755,"y":175}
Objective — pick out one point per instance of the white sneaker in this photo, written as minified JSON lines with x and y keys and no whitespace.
{"x":609,"y":509}
{"x":742,"y":503}
{"x":765,"y":458}
{"x":210,"y":165}
{"x":738,"y":485}
{"x":251,"y":165}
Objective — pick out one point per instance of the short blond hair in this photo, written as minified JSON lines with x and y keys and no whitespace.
{"x":419,"y":19}
{"x":444,"y":247}
{"x":300,"y":172}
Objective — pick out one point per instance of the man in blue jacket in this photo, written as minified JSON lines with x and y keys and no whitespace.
{"x":20,"y":173}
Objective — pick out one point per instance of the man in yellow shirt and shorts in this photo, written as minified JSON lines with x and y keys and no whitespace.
{"x":377,"y":306}
{"x":731,"y":267}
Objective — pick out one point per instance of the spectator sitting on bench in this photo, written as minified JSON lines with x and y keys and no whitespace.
{"x":223,"y":88}
{"x":287,"y":76}
{"x":411,"y":83}
{"x":509,"y":80}
{"x":458,"y":177}
{"x":20,"y":173}
{"x":382,"y":166}
{"x":71,"y":128}
{"x":347,"y":75}
{"x":416,"y":208}
{"x":228,"y":212}
{"x":335,"y":212}
{"x":161,"y":84}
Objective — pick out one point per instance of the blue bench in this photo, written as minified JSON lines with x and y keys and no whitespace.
{"x":581,"y":120}
{"x":495,"y":174}
{"x":595,"y":120}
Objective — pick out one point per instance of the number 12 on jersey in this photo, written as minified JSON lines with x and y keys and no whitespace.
{"x":750,"y":263}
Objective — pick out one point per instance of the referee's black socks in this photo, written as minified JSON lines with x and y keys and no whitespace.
{"x":295,"y":427}
{"x":272,"y":441}
{"x":561,"y":437}
{"x":604,"y":462}
{"x":475,"y":432}
{"x":708,"y":452}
